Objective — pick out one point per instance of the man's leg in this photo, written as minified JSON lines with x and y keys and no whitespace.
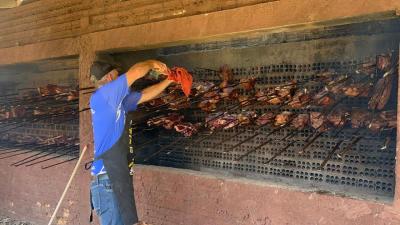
{"x":105,"y":203}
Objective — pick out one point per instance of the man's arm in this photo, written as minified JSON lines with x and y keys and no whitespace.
{"x":140,"y":69}
{"x":153,"y":91}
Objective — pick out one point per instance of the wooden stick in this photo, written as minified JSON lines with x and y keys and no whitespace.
{"x":67,"y":186}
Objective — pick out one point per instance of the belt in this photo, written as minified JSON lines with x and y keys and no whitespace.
{"x":102,"y":176}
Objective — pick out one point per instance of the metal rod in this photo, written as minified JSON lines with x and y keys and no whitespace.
{"x":281,"y":151}
{"x":161,"y":149}
{"x":302,"y":150}
{"x":54,"y":157}
{"x":46,"y":147}
{"x":263,"y":144}
{"x":47,"y":154}
{"x":56,"y":164}
{"x":330,"y":154}
{"x":348,"y":148}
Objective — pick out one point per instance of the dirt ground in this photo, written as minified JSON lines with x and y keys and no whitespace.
{"x":9,"y":221}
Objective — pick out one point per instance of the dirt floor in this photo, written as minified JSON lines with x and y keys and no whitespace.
{"x":9,"y":221}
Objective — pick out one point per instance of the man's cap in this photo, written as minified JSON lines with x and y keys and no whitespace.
{"x":99,"y":69}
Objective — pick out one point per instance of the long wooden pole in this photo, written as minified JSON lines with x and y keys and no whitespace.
{"x":67,"y":186}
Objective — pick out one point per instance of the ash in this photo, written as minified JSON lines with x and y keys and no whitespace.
{"x":9,"y":221}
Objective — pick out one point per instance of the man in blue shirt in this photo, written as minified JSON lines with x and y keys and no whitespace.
{"x":112,"y":194}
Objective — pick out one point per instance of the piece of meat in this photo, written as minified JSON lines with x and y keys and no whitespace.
{"x":219,"y":121}
{"x":167,"y":121}
{"x":318,"y":121}
{"x":208,"y":105}
{"x":390,"y":117}
{"x":248,"y":83}
{"x":17,"y":111}
{"x":381,"y":93}
{"x":73,"y":95}
{"x":300,"y":99}
{"x":275,"y":100}
{"x":38,"y":112}
{"x":337,"y":118}
{"x":187,"y":129}
{"x":367,"y":68}
{"x":283,"y":118}
{"x":301,"y":121}
{"x":323,"y":98}
{"x":244,"y":100}
{"x":360,"y":118}
{"x":265,"y":118}
{"x":286,"y":90}
{"x":262,"y":95}
{"x":211,"y":94}
{"x":357,"y":89}
{"x":203,"y":86}
{"x":246,"y":117}
{"x":383,"y":62}
{"x":226,"y":75}
{"x":376,"y":124}
{"x":178,"y":105}
{"x":230,"y":93}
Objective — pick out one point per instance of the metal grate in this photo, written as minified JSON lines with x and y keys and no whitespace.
{"x":367,"y":170}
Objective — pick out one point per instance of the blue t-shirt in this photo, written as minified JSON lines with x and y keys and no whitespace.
{"x":109,"y":105}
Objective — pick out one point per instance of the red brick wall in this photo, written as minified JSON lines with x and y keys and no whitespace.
{"x":172,"y":196}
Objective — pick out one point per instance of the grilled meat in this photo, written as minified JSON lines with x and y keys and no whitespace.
{"x":390,"y":117}
{"x":360,"y":118}
{"x":244,"y":100}
{"x":246,"y":117}
{"x":318,"y":121}
{"x":383,"y":62}
{"x":337,"y":118}
{"x":301,"y":121}
{"x":381,"y":93}
{"x":283,"y":118}
{"x":248,"y":83}
{"x":167,"y":121}
{"x":187,"y":129}
{"x":226,"y":75}
{"x":300,"y":99}
{"x":218,"y":120}
{"x":230,"y":92}
{"x":265,"y":118}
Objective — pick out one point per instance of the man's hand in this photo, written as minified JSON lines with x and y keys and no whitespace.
{"x":158,"y":66}
{"x":140,"y":69}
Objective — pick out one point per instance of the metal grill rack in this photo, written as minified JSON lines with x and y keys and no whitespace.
{"x":366,"y":171}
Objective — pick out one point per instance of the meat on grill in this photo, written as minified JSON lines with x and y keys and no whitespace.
{"x":52,"y":89}
{"x":286,"y":90}
{"x":283,"y":118}
{"x":182,"y":103}
{"x":167,"y":121}
{"x":357,"y":90}
{"x":367,"y":68}
{"x":246,"y":117}
{"x":208,"y":105}
{"x":300,"y":99}
{"x":202,"y":86}
{"x":318,"y":121}
{"x":337,"y":118}
{"x":390,"y":117}
{"x":360,"y":118}
{"x":301,"y":121}
{"x":262,"y":95}
{"x":323,"y":98}
{"x":248,"y":83}
{"x":383,"y":62}
{"x":244,"y":100}
{"x":219,"y":120}
{"x":230,"y":93}
{"x":187,"y":129}
{"x":225,"y":73}
{"x":381,"y":93}
{"x":265,"y":118}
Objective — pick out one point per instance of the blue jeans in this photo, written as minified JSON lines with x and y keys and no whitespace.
{"x":104,"y":201}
